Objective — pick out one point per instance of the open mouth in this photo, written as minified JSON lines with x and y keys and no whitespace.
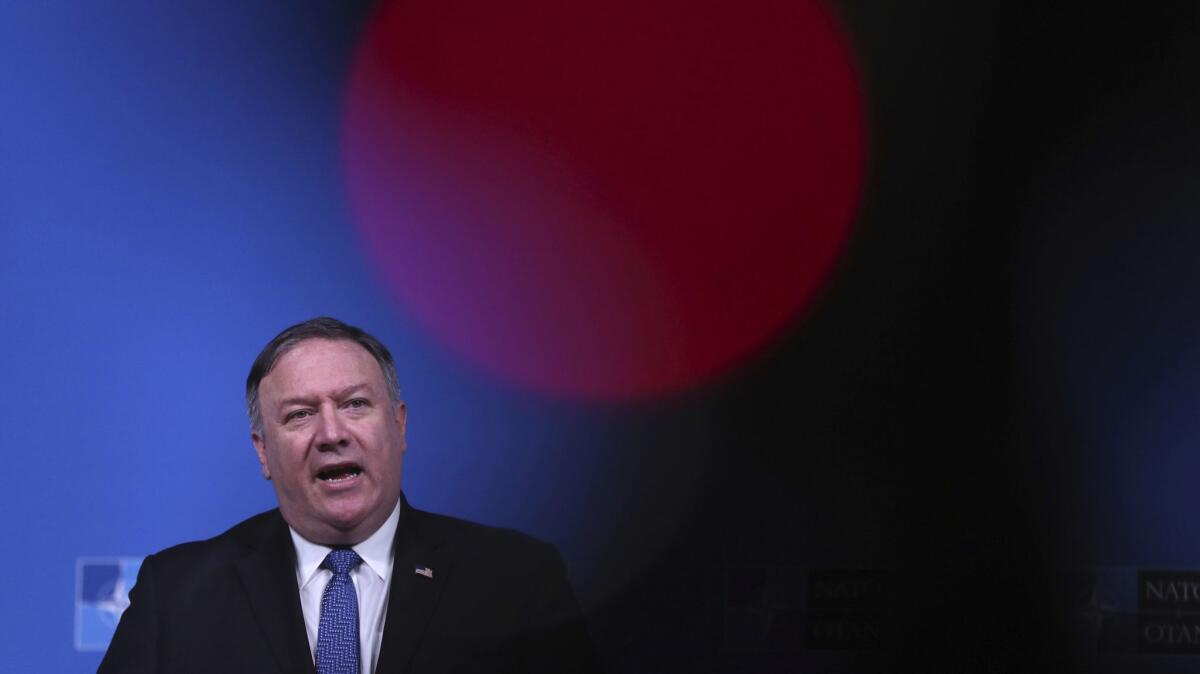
{"x":339,"y":473}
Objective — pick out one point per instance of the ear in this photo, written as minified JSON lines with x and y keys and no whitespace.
{"x":400,"y":418}
{"x":260,"y":448}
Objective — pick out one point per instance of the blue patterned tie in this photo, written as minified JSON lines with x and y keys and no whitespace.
{"x":337,"y":636}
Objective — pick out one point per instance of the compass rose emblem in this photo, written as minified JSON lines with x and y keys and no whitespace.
{"x":101,"y":596}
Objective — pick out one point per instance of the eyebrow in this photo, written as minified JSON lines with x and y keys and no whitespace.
{"x":338,"y":395}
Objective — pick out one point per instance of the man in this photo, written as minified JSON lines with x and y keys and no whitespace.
{"x":345,"y":576}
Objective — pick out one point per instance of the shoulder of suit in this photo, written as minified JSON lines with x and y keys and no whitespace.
{"x":465,"y":535}
{"x":232,"y":543}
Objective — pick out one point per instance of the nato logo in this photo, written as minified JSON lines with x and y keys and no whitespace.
{"x":101,"y":596}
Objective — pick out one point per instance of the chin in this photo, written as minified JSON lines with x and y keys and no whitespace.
{"x":345,"y":521}
{"x":348,"y":516}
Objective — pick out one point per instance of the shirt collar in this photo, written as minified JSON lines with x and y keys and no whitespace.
{"x":376,"y":551}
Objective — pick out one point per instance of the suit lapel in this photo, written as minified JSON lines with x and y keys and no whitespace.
{"x":268,"y":575}
{"x":413,"y":595}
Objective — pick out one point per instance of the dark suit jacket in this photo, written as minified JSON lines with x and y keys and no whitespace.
{"x":498,"y":601}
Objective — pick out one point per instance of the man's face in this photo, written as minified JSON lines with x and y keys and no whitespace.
{"x":332,"y":441}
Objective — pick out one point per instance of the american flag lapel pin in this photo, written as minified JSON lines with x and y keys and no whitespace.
{"x":424,"y":571}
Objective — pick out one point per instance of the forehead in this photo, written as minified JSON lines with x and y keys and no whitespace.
{"x":317,"y":366}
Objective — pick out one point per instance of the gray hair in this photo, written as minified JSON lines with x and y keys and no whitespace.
{"x":315,"y":328}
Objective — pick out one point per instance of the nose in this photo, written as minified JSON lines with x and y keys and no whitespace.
{"x":331,"y":430}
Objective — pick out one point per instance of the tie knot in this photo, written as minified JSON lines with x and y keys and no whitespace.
{"x":341,"y":560}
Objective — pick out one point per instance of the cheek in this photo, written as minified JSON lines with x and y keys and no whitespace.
{"x":285,"y":463}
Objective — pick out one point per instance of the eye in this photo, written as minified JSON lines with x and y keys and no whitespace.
{"x":298,"y":414}
{"x":356,"y":403}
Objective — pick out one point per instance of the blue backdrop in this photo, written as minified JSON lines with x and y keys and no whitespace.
{"x":999,"y":380}
{"x":170,"y":198}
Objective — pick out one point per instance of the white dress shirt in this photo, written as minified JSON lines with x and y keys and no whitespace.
{"x":372,"y":579}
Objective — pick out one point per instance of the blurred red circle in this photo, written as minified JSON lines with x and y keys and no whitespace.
{"x":603,"y":199}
